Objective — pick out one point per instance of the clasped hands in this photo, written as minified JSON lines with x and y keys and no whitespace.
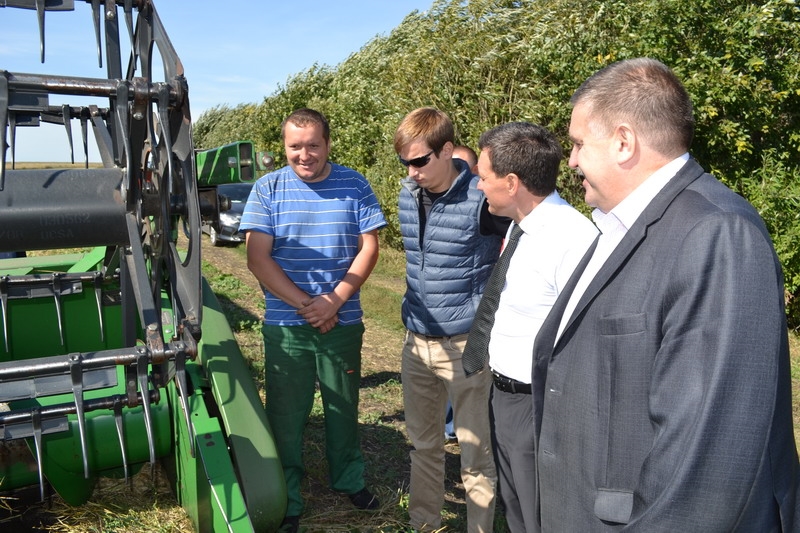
{"x":320,"y":311}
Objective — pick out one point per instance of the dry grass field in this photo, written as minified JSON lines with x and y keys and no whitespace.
{"x":28,"y":165}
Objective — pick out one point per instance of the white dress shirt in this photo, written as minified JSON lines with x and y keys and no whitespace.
{"x":614,"y":226}
{"x":556,"y":237}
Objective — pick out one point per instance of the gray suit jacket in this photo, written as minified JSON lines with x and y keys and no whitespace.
{"x":666,"y":403}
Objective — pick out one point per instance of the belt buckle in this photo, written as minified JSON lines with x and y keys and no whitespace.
{"x":507,"y":384}
{"x":503,"y":383}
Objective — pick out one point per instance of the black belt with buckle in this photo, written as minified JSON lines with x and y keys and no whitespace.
{"x":507,"y":384}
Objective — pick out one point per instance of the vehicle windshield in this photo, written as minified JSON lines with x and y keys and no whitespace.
{"x":237,"y":192}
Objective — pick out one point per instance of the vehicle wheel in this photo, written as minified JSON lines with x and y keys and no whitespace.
{"x":214,"y":238}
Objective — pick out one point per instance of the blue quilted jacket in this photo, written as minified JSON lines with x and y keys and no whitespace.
{"x":445,"y":274}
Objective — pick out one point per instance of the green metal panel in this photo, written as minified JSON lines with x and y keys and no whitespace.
{"x":232,"y":482}
{"x":63,"y":459}
{"x":206,"y":483}
{"x":62,"y":455}
{"x":88,"y":261}
{"x":235,"y":482}
{"x":33,"y":323}
{"x":242,"y":412}
{"x":229,"y":163}
{"x":24,"y":265}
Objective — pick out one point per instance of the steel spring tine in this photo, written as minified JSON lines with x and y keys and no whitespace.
{"x":4,"y":308}
{"x":180,"y":381}
{"x":84,"y":136}
{"x":3,"y":119}
{"x":76,"y":371}
{"x":121,"y":434}
{"x":98,"y":297}
{"x":57,"y":296}
{"x":40,"y":17}
{"x":141,"y":373}
{"x":12,"y":137}
{"x":96,"y":19}
{"x":36,"y":421}
{"x":65,"y":114}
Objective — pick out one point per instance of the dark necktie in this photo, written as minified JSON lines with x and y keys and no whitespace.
{"x":477,"y":349}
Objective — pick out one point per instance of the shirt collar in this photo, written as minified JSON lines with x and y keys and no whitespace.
{"x":629,"y":209}
{"x":539,"y":216}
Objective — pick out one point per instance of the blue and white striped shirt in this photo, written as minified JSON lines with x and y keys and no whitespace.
{"x":316,"y":227}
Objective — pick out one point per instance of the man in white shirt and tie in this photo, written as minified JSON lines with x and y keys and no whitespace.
{"x":518,"y":167}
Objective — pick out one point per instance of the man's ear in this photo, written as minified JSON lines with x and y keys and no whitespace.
{"x":447,"y":150}
{"x":625,"y":142}
{"x":514,"y":183}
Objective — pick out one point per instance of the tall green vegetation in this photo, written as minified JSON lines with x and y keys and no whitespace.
{"x":486,"y":62}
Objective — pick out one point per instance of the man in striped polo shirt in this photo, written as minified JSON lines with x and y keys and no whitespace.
{"x":312,"y":241}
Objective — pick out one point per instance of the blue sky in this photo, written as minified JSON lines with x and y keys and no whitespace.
{"x":234,"y":54}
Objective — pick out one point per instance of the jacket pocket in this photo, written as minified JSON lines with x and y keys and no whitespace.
{"x":622,"y":324}
{"x":623,"y":423}
{"x":613,"y":505}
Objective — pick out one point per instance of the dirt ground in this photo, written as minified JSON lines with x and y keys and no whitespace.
{"x":230,"y":259}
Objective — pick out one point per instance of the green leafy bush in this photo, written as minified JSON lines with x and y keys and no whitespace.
{"x":486,"y":62}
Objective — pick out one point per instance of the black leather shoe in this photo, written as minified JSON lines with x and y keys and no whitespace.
{"x":290,"y":524}
{"x":364,"y":500}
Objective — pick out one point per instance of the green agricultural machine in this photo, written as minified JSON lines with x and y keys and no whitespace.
{"x":232,"y":163}
{"x":114,"y":352}
{"x":231,"y":169}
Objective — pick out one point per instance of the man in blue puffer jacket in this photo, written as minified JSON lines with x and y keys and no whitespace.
{"x":451,"y":243}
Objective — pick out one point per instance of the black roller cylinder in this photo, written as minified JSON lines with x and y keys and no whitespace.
{"x":62,"y":208}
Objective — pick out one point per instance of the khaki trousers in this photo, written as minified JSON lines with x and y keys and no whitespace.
{"x":431,"y":371}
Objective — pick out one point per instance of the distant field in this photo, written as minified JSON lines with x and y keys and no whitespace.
{"x":55,"y":164}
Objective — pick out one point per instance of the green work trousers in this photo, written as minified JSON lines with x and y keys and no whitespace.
{"x":296,"y":357}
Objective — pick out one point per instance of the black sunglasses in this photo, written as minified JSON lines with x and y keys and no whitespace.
{"x":417,"y":162}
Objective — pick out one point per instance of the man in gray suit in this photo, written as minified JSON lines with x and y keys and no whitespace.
{"x":661,"y":380}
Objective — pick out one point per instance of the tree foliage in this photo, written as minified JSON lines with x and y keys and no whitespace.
{"x":486,"y":62}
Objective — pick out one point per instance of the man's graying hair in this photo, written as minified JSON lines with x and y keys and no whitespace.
{"x":527,"y":150}
{"x":644,"y":93}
